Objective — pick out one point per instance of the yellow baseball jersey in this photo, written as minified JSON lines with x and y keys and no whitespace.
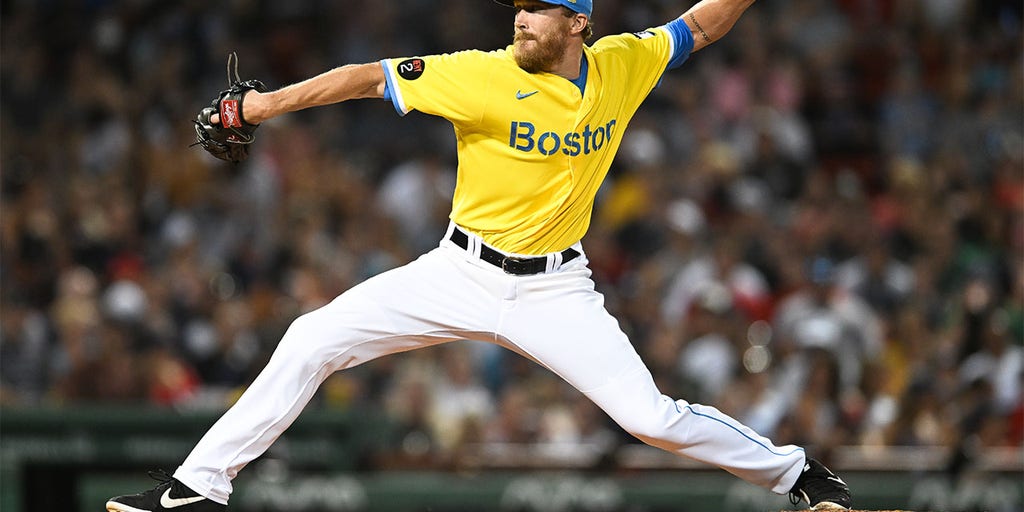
{"x":532,"y":150}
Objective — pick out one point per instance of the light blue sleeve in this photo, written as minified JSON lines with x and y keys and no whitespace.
{"x":682,"y":42}
{"x":389,"y":84}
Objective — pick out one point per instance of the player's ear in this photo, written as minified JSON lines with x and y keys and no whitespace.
{"x":579,"y":22}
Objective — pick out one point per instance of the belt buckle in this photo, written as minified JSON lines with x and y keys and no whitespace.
{"x":505,"y":264}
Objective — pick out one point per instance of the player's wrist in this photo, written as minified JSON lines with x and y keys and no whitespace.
{"x":254,"y":107}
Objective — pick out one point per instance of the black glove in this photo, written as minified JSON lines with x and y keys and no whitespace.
{"x":229,"y":139}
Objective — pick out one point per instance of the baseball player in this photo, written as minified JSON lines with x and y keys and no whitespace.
{"x":538,"y":124}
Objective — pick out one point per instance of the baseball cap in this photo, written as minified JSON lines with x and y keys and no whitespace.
{"x":580,"y":6}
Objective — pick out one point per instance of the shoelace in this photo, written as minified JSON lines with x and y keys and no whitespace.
{"x":168,"y":480}
{"x":160,"y":476}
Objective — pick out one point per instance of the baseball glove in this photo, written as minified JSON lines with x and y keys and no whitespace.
{"x":230,"y":137}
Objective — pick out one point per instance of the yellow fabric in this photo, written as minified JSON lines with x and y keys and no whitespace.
{"x":532,"y":151}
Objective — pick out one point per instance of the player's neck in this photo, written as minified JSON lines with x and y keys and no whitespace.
{"x":568,"y":66}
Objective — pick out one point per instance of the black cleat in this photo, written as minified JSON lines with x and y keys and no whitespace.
{"x":168,"y":495}
{"x":820,"y":488}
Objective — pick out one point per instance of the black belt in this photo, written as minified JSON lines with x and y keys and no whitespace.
{"x":510,"y":264}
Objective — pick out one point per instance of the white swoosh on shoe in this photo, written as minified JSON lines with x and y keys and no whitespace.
{"x":166,"y":501}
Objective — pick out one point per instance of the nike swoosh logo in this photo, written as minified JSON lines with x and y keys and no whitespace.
{"x":520,"y":95}
{"x":166,"y":501}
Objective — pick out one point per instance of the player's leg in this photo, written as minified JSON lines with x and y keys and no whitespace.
{"x":423,"y":303}
{"x":561,"y":322}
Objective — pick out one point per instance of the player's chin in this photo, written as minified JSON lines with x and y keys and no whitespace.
{"x":529,"y":65}
{"x":528,"y":57}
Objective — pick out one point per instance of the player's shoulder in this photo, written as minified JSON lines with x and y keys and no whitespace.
{"x":628,"y":40}
{"x":474,"y":58}
{"x":473,"y":55}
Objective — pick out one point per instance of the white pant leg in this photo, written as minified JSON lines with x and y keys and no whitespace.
{"x":429,"y":301}
{"x":559,"y":320}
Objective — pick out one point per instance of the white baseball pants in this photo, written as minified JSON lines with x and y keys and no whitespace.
{"x":449,"y":294}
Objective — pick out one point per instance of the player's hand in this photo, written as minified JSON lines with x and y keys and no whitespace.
{"x":223,"y":129}
{"x":253,"y":108}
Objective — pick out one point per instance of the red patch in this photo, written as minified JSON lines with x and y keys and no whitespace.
{"x":229,"y":116}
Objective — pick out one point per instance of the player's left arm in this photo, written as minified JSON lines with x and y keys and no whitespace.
{"x":709,"y":20}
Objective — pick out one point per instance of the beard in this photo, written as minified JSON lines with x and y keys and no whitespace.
{"x":540,"y":52}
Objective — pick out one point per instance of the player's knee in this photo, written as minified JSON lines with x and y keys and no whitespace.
{"x":302,"y":335}
{"x":319,"y":341}
{"x":300,"y":327}
{"x":651,"y":423}
{"x":645,"y":431}
{"x":643,"y":425}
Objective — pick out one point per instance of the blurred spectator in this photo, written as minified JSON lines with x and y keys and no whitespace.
{"x":920,"y":420}
{"x":516,"y":420}
{"x":416,"y":195}
{"x":408,"y":405}
{"x":907,"y":114}
{"x":815,"y":417}
{"x":997,"y":362}
{"x":25,"y":355}
{"x":459,"y":400}
{"x":823,"y":316}
{"x":880,"y":279}
{"x":710,"y":355}
{"x":745,"y":285}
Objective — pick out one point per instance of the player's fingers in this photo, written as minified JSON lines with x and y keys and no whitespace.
{"x":215,"y":119}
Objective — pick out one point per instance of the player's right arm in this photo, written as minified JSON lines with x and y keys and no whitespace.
{"x":339,"y":84}
{"x":709,"y":20}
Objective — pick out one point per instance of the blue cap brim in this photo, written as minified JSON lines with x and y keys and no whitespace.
{"x":580,"y":6}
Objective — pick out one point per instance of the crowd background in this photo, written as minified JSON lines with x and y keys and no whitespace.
{"x":816,"y":224}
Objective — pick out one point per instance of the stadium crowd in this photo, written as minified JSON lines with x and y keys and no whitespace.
{"x":815,"y":225}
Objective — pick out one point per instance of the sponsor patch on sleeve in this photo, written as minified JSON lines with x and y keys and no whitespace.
{"x":411,"y":69}
{"x":644,"y":35}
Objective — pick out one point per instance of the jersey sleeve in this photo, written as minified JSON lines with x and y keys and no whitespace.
{"x":645,"y":56}
{"x":682,"y":42}
{"x":446,"y":85}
